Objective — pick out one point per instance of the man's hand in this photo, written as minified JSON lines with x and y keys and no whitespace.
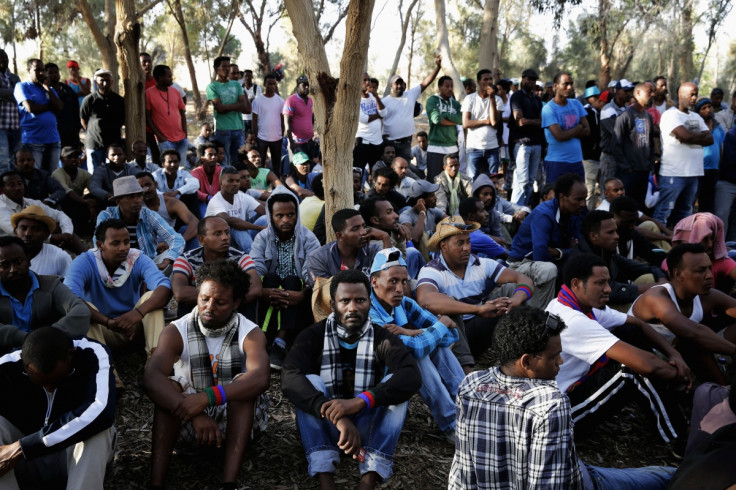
{"x":161,"y":247}
{"x":190,"y":406}
{"x":165,"y":263}
{"x":125,"y":323}
{"x":173,"y":194}
{"x":683,"y":370}
{"x":334,"y":410}
{"x":520,"y":215}
{"x":349,"y":437}
{"x":438,"y":61}
{"x":207,"y":431}
{"x":494,"y":308}
{"x":447,"y":321}
{"x":376,"y":234}
{"x":10,"y":454}
{"x":397,"y":330}
{"x":404,"y":232}
{"x":61,"y":239}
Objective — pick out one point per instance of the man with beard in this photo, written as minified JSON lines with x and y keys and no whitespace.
{"x":350,"y":381}
{"x":103,"y":116}
{"x":454,"y":186}
{"x":220,"y":376}
{"x":32,"y":225}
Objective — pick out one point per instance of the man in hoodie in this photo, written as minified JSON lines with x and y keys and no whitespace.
{"x":484,"y":189}
{"x":623,"y":91}
{"x":280,"y":253}
{"x":444,"y":114}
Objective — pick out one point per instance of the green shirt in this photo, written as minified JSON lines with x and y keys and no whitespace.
{"x":228,"y":93}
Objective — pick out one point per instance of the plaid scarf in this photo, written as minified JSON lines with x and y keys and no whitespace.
{"x":123,"y":271}
{"x":206,"y":369}
{"x":331,"y":369}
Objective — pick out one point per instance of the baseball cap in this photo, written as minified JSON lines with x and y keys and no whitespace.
{"x":515,"y":81}
{"x":549,"y":84}
{"x":387,"y":258}
{"x":605,"y":96}
{"x":72,"y":63}
{"x":612,"y":83}
{"x":302,"y":79}
{"x":530,"y":73}
{"x":69,"y":151}
{"x":394,"y":79}
{"x":592,"y":91}
{"x":420,"y":187}
{"x":102,"y":71}
{"x":624,"y":84}
{"x":300,"y":158}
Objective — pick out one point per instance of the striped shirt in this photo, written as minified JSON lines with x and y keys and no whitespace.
{"x":481,"y":276}
{"x":188,"y":263}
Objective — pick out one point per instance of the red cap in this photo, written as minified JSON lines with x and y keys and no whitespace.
{"x":72,"y":63}
{"x":605,"y":96}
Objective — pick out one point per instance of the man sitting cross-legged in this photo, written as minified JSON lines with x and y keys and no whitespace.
{"x":514,"y":426}
{"x":350,"y":381}
{"x":220,"y":371}
{"x":33,"y":225}
{"x":428,"y":337}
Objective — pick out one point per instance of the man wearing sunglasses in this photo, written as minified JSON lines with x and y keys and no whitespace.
{"x":516,"y":406}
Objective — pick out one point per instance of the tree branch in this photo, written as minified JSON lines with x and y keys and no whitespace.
{"x":146,"y":7}
{"x":341,"y":16}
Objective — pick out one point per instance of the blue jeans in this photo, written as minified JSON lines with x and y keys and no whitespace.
{"x":528,"y":158}
{"x":46,"y":155}
{"x":725,"y":197}
{"x":441,"y":376}
{"x":232,"y":139}
{"x":241,"y":240}
{"x":260,"y":221}
{"x":181,"y":148}
{"x":414,"y":262}
{"x":676,"y":198}
{"x":481,"y":161}
{"x":192,"y":243}
{"x":646,"y":478}
{"x":9,"y":144}
{"x":553,"y":170}
{"x":379,"y":430}
{"x":95,"y":158}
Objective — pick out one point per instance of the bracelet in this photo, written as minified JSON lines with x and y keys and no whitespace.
{"x":525,"y":288}
{"x":211,"y":400}
{"x":560,"y":257}
{"x":139,"y":311}
{"x":218,"y":395}
{"x":221,"y":391}
{"x":367,"y":397}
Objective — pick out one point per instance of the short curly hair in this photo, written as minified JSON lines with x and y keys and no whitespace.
{"x":521,"y":331}
{"x":227,"y":273}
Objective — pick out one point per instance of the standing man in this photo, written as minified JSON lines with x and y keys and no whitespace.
{"x":228,"y":103}
{"x":38,"y":103}
{"x":564,"y":121}
{"x":81,"y":86}
{"x":252,"y":91}
{"x":147,"y":66}
{"x":398,"y":126}
{"x":267,"y":124}
{"x":623,"y":90}
{"x":299,"y":120}
{"x":684,"y":134}
{"x":166,"y":113}
{"x":481,"y":113}
{"x":525,"y":130}
{"x":368,"y":139}
{"x":711,"y":156}
{"x":660,"y":101}
{"x":103,"y":116}
{"x":10,"y":135}
{"x":67,"y":121}
{"x":444,"y":115}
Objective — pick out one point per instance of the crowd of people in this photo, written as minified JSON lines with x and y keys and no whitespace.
{"x":549,"y":229}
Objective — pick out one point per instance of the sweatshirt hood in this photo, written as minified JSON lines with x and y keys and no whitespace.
{"x":282,"y":189}
{"x":482,"y":181}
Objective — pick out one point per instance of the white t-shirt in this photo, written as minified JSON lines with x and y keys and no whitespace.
{"x":269,"y":117}
{"x":680,"y":159}
{"x":51,"y":261}
{"x":483,"y":137}
{"x":507,"y":114}
{"x":399,"y":120}
{"x":251,"y":93}
{"x":584,"y":340}
{"x":371,"y":132}
{"x":606,"y":206}
{"x":243,"y":205}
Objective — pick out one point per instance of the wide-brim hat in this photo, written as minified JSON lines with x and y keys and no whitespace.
{"x":35,"y":213}
{"x":450,"y":226}
{"x":124,"y":186}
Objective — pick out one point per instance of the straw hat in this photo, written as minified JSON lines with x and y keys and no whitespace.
{"x":35,"y":213}
{"x":451,"y":226}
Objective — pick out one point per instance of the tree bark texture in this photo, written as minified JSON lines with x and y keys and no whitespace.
{"x":127,"y":39}
{"x":605,"y":74}
{"x":176,"y":10}
{"x":488,"y":50}
{"x":104,"y":40}
{"x":448,"y":67}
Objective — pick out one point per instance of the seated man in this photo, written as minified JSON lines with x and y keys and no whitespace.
{"x":428,"y":337}
{"x":29,"y":301}
{"x":384,"y":181}
{"x":421,"y":214}
{"x":482,"y":245}
{"x":75,"y":181}
{"x":32,"y":226}
{"x":141,"y":158}
{"x":237,"y":208}
{"x":484,"y":189}
{"x":72,"y":444}
{"x":262,"y":178}
{"x":38,"y":184}
{"x":312,"y":207}
{"x":608,"y":354}
{"x":518,"y":406}
{"x":629,"y":278}
{"x":207,"y":174}
{"x":632,"y":244}
{"x":105,"y":175}
{"x":148,"y":231}
{"x":677,"y":308}
{"x":454,"y":186}
{"x":350,"y":381}
{"x":458,"y":283}
{"x":280,"y":253}
{"x":214,"y":238}
{"x":170,"y":209}
{"x":406,"y":179}
{"x":12,"y":201}
{"x":220,"y":375}
{"x":176,"y":182}
{"x":110,"y":278}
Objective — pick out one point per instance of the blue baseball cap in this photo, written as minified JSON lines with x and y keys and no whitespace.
{"x":387,"y":258}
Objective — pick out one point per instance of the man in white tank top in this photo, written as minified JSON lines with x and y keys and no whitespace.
{"x":681,"y":304}
{"x":221,"y":373}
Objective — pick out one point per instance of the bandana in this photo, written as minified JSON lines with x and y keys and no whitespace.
{"x":123,"y":271}
{"x":208,"y":370}
{"x":331,"y":368}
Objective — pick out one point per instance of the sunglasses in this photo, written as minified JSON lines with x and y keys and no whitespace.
{"x":553,"y":326}
{"x":459,"y":226}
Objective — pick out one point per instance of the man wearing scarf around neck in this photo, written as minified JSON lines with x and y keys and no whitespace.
{"x":454,"y":186}
{"x":221,"y":373}
{"x":608,"y":355}
{"x":110,"y":279}
{"x":335,"y":375}
{"x":428,"y":337}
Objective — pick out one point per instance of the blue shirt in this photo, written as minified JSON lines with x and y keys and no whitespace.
{"x":84,"y":280}
{"x":567,"y":116}
{"x":151,"y":229}
{"x":542,"y":229}
{"x":712,"y":153}
{"x":483,"y":245}
{"x":22,"y":312}
{"x":36,"y":128}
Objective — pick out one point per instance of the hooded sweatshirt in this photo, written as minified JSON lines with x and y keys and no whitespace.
{"x":264,"y":251}
{"x":493,"y":225}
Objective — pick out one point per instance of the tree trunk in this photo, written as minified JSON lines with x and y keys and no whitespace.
{"x":256,"y":33}
{"x":414,"y":23}
{"x":687,"y":45}
{"x":605,"y":74}
{"x":335,"y":101}
{"x":235,"y":8}
{"x":404,"y":26}
{"x":448,"y":67}
{"x":488,"y":50}
{"x":127,"y":38}
{"x":104,"y":41}
{"x":175,"y":8}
